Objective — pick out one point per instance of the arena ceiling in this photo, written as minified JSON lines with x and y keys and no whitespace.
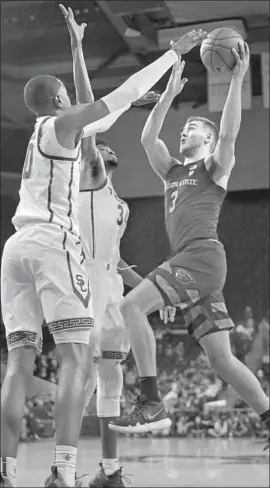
{"x":121,"y":37}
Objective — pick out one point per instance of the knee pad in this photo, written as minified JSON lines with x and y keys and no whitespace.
{"x":109,"y":388}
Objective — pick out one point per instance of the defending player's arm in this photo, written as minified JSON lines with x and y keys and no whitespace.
{"x":74,"y":119}
{"x":156,"y":150}
{"x":223,"y":155}
{"x":84,"y":94}
{"x":132,"y":279}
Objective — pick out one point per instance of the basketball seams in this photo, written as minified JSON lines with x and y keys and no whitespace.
{"x":221,"y":59}
{"x":220,"y":42}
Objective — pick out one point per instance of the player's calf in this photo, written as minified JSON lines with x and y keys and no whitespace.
{"x":218,"y":349}
{"x":13,"y":394}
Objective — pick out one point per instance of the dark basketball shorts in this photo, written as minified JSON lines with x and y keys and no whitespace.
{"x":193,"y":281}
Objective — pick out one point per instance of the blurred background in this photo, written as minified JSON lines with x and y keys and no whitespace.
{"x":122,"y":37}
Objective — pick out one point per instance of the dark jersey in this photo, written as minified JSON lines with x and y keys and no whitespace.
{"x":192,"y":204}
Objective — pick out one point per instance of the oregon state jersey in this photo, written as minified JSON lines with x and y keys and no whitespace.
{"x":192,"y":204}
{"x":50,"y":181}
{"x":103,"y":218}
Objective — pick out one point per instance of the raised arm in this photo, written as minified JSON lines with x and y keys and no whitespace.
{"x":74,"y":119}
{"x":84,"y":94}
{"x":157,"y":151}
{"x":223,"y":156}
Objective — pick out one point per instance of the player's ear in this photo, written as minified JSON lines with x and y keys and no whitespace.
{"x":57,"y":101}
{"x":209,"y":138}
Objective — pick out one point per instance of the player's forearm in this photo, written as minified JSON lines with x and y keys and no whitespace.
{"x":141,"y":82}
{"x":231,"y":116}
{"x":84,"y":93}
{"x":156,"y":118}
{"x":130,"y":277}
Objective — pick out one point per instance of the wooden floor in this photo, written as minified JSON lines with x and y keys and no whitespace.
{"x":161,"y":462}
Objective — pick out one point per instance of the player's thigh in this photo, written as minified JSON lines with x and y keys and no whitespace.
{"x":217,"y":346}
{"x":63,"y":287}
{"x":145,"y":297}
{"x":21,"y":308}
{"x":114,"y":337}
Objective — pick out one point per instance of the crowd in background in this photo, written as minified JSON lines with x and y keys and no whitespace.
{"x":199,"y":402}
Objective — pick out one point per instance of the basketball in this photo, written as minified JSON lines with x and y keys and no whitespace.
{"x":216,"y":50}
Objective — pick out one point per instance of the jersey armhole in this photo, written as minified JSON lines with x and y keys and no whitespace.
{"x":174,"y":163}
{"x":212,"y":169}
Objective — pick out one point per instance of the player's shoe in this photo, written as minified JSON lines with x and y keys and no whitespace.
{"x":145,"y":416}
{"x":4,"y":481}
{"x":56,"y":479}
{"x":101,"y":480}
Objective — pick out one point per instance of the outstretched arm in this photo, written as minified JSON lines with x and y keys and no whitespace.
{"x":223,"y":156}
{"x":74,"y":119}
{"x":157,"y":151}
{"x":84,"y":94}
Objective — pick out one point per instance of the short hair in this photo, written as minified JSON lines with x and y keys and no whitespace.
{"x":39,"y":91}
{"x":207,"y":123}
{"x":102,"y":142}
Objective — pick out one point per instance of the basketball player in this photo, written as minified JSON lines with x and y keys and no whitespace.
{"x":43,"y":273}
{"x":103,"y":218}
{"x":193,"y":278}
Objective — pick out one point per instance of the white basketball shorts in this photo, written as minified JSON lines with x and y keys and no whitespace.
{"x":109,"y":339}
{"x":43,"y":277}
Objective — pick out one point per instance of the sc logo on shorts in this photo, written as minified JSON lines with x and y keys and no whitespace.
{"x":81,"y":283}
{"x":184,"y":276}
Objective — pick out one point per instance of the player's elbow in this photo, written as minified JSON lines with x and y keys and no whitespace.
{"x":147,"y":140}
{"x":227,"y":137}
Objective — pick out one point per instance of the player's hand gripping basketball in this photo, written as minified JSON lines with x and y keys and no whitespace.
{"x":188,"y":41}
{"x":76,"y":31}
{"x":176,"y":84}
{"x":242,"y":60}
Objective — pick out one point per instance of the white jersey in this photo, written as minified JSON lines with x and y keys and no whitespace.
{"x":103,"y":218}
{"x":50,"y":181}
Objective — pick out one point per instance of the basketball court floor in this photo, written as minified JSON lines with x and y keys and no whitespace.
{"x":161,"y":462}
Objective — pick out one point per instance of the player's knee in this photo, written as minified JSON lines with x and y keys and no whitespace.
{"x":129,"y":306}
{"x":109,"y":388}
{"x":75,"y":358}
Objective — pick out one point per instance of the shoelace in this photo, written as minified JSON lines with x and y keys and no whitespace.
{"x":138,"y":407}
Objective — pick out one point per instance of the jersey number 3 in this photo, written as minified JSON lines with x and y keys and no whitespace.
{"x":174,"y":196}
{"x":28,"y":163}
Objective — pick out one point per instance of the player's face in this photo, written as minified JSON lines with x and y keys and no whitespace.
{"x":193,"y":136}
{"x":107,"y":153}
{"x":63,"y":95}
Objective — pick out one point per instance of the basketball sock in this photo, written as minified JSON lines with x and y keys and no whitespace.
{"x":65,"y":460}
{"x":148,"y":386}
{"x":8,"y":469}
{"x":110,"y":466}
{"x":265,"y":417}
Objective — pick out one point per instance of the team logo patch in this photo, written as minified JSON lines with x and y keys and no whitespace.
{"x":184,"y":276}
{"x":192,"y":169}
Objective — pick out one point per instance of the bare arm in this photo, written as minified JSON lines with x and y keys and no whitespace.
{"x":157,"y":151}
{"x":130,"y":277}
{"x":223,"y":155}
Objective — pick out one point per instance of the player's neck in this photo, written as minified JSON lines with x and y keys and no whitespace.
{"x":197,"y":156}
